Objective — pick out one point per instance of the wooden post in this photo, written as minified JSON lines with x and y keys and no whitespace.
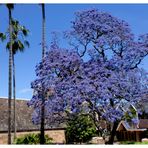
{"x":137,"y":136}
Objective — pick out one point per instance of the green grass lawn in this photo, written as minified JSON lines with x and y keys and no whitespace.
{"x":132,"y":142}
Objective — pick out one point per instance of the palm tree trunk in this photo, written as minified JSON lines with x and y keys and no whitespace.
{"x":43,"y":31}
{"x":10,"y":79}
{"x":14,"y":99}
{"x":42,"y":128}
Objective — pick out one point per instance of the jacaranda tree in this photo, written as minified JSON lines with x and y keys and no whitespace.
{"x":102,"y":86}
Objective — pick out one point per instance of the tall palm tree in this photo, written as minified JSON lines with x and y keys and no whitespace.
{"x":18,"y":45}
{"x":10,"y":8}
{"x":42,"y":129}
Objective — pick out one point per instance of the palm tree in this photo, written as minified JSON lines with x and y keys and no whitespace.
{"x":18,"y":45}
{"x":42,"y":130}
{"x":10,"y":8}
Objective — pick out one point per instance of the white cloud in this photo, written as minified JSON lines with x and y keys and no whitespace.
{"x":25,"y":90}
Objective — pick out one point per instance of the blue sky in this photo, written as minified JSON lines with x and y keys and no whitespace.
{"x":58,"y":18}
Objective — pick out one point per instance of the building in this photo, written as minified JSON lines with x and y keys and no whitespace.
{"x":128,"y":132}
{"x":24,"y":123}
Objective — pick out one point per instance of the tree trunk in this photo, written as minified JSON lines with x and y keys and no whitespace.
{"x":113,"y":133}
{"x":10,"y":79}
{"x":42,"y":130}
{"x":43,"y":31}
{"x":14,"y":98}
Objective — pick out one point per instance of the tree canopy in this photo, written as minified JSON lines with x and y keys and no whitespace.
{"x":104,"y":85}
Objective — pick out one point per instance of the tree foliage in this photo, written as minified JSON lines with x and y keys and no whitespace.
{"x":105,"y":84}
{"x":32,"y":139}
{"x":18,"y":33}
{"x":80,"y":129}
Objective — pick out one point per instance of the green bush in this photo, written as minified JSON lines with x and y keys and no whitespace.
{"x":32,"y":139}
{"x":80,"y":129}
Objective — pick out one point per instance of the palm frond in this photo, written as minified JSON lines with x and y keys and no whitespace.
{"x":10,"y":6}
{"x":8,"y":45}
{"x":25,"y":31}
{"x":20,"y":46}
{"x":2,"y":36}
{"x":26,"y":43}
